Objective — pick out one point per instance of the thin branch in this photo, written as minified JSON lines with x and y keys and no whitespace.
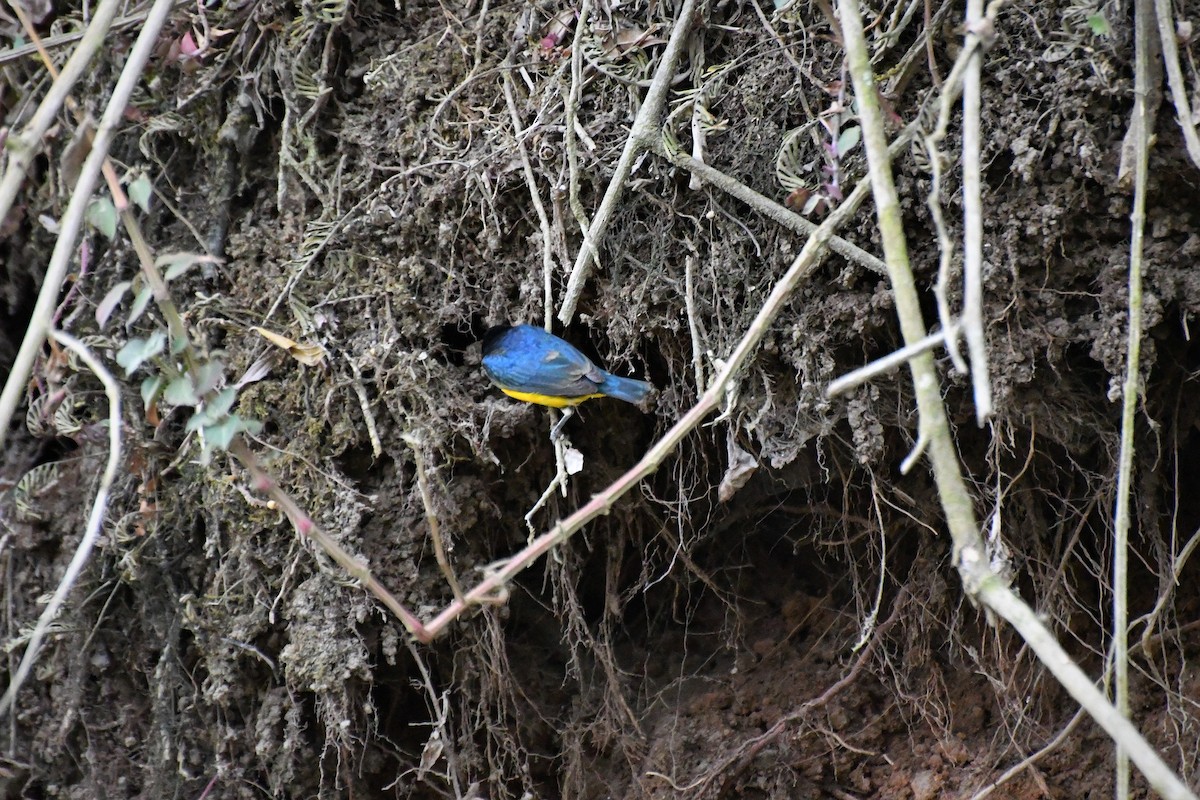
{"x":933,"y":201}
{"x":570,"y":135}
{"x":979,"y":29}
{"x":1170,"y":52}
{"x":431,"y":518}
{"x":886,"y":364}
{"x":1031,"y":759}
{"x":1142,"y":124}
{"x":766,"y":206}
{"x":64,"y":39}
{"x":689,"y":303}
{"x":307,"y":527}
{"x":535,"y":196}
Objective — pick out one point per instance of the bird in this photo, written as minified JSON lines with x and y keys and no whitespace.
{"x":534,"y":365}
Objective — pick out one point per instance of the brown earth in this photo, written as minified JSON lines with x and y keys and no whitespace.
{"x":359,"y":169}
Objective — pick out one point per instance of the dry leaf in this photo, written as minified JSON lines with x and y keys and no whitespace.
{"x":741,"y":467}
{"x":307,"y":354}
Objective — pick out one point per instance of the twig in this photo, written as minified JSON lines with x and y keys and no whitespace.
{"x":1142,"y":125}
{"x":906,"y":68}
{"x":867,"y":626}
{"x":979,"y":31}
{"x":689,"y":300}
{"x":945,"y":246}
{"x":698,"y":102}
{"x":1150,"y":620}
{"x":548,"y":492}
{"x":881,"y":365}
{"x":933,"y":73}
{"x":63,"y":39}
{"x":535,"y":196}
{"x":767,"y":207}
{"x":1170,"y":52}
{"x":364,"y":405}
{"x":95,"y":518}
{"x":644,"y":128}
{"x":306,"y":526}
{"x":569,"y":133}
{"x":1031,"y":759}
{"x":435,"y":531}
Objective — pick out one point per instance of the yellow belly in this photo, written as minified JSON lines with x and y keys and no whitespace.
{"x":548,"y":400}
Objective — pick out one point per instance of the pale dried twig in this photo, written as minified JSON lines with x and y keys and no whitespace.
{"x":889,"y":362}
{"x":1143,"y":124}
{"x":23,"y":147}
{"x":431,"y":518}
{"x":1170,"y":52}
{"x":979,"y":33}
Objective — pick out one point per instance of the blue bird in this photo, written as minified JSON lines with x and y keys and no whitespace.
{"x":538,"y":367}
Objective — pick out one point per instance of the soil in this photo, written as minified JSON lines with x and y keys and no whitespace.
{"x":775,"y":612}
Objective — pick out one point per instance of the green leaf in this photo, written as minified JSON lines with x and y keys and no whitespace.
{"x":848,"y":140}
{"x":181,"y":392}
{"x":150,"y":389}
{"x":209,"y":375}
{"x":137,"y":351}
{"x":219,"y":405}
{"x":110,"y":302}
{"x":140,"y":301}
{"x":1099,"y":25}
{"x":215,"y":410}
{"x":102,"y":215}
{"x":220,"y":435}
{"x":140,"y":191}
{"x":176,"y":264}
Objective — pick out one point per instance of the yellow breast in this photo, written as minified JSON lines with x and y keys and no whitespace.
{"x":548,"y":400}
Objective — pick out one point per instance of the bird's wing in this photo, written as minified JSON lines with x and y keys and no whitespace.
{"x":557,"y":371}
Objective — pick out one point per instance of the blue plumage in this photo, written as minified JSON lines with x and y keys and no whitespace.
{"x":531,"y":364}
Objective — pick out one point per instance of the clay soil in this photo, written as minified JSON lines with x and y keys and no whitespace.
{"x":774,"y":612}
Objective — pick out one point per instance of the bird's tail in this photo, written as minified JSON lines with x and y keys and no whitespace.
{"x":627,"y":389}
